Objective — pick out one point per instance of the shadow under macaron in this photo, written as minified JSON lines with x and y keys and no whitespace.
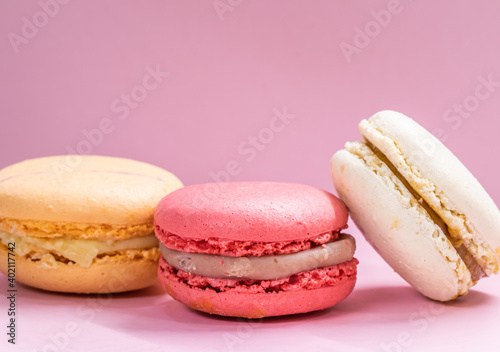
{"x":398,"y":303}
{"x":35,"y":295}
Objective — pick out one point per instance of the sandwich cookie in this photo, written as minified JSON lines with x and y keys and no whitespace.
{"x":82,"y":224}
{"x":255,"y":249}
{"x":418,"y":206}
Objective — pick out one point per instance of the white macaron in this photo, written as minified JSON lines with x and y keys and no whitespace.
{"x":418,"y":206}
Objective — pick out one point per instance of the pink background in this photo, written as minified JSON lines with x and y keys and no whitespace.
{"x":228,"y":75}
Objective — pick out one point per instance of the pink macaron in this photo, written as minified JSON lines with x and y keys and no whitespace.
{"x":255,"y":249}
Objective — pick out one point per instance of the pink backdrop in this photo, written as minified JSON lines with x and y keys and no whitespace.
{"x":270,"y":88}
{"x":227,"y":76}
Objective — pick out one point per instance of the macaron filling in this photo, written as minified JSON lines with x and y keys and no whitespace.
{"x":269,"y":267}
{"x":80,"y":251}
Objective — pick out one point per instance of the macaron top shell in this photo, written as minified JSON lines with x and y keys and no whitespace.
{"x":441,"y":180}
{"x":250,"y":211}
{"x":84,"y":189}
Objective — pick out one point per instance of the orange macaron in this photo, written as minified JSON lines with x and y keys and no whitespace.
{"x":81,"y":224}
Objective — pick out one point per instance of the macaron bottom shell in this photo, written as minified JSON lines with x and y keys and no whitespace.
{"x":241,"y":301}
{"x":126,"y":270}
{"x":397,"y":226}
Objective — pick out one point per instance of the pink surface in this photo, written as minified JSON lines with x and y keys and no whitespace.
{"x":304,"y":292}
{"x":250,"y":211}
{"x":382,"y":312}
{"x":263,"y":91}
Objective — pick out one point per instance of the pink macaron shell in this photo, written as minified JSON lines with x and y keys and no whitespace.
{"x":250,"y":211}
{"x":247,"y":304}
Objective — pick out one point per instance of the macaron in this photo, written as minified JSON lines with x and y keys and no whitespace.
{"x":419,"y":206}
{"x":81,"y":224}
{"x":255,"y":249}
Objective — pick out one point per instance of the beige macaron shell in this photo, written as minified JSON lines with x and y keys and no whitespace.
{"x":83,"y":189}
{"x":441,"y":180}
{"x":125,"y":271}
{"x":397,"y":226}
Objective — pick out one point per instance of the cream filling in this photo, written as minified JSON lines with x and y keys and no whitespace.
{"x":80,"y":251}
{"x":270,"y":267}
